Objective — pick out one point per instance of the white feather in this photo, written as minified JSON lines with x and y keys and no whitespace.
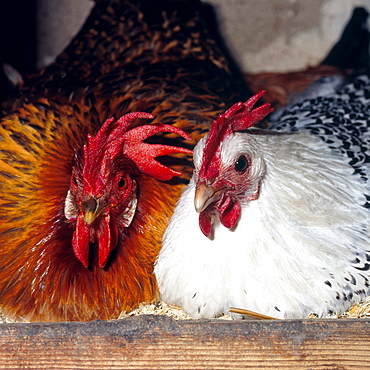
{"x":294,"y":250}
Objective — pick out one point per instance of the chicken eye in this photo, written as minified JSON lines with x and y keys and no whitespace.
{"x":122,"y":184}
{"x":241,"y":164}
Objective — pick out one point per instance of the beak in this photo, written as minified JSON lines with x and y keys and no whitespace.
{"x":106,"y":233}
{"x":92,"y":209}
{"x":205,"y":195}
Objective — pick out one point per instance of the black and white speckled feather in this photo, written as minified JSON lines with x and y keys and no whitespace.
{"x":303,"y":244}
{"x":340,"y":118}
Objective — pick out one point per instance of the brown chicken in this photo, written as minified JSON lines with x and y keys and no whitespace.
{"x":70,"y":249}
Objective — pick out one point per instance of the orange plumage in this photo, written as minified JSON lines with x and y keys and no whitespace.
{"x":156,"y":57}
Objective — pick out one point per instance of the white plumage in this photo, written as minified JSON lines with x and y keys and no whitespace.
{"x":301,"y":247}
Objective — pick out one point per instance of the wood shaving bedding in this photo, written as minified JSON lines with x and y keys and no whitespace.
{"x":360,"y":310}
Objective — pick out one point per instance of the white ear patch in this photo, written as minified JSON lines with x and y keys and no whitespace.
{"x":129,"y":213}
{"x":70,"y":209}
{"x":130,"y":210}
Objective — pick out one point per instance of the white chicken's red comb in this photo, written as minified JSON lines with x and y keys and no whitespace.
{"x":113,"y":140}
{"x":237,"y":118}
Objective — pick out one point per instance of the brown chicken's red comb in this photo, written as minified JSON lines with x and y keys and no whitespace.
{"x":115,"y":139}
{"x":237,"y":118}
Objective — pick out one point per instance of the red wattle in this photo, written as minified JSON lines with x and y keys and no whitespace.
{"x":80,"y":241}
{"x":205,"y":223}
{"x":107,"y":239}
{"x":229,"y":212}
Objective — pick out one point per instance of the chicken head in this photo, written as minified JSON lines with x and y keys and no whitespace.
{"x":102,"y":198}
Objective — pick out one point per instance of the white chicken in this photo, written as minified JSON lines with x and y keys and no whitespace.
{"x":275,"y":222}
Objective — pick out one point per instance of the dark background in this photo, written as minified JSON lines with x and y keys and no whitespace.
{"x":17,"y":38}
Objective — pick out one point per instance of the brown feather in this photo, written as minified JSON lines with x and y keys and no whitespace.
{"x":157,"y":60}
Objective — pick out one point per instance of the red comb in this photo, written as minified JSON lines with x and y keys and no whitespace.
{"x":237,"y":118}
{"x":114,"y":139}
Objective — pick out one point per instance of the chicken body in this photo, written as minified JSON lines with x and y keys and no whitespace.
{"x":130,"y":56}
{"x":276,"y":222}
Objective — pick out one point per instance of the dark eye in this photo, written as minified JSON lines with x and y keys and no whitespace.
{"x":75,"y":180}
{"x":121,"y":184}
{"x":241,"y":164}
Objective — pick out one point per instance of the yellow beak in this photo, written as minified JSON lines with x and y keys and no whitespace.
{"x":92,"y":209}
{"x":205,"y":195}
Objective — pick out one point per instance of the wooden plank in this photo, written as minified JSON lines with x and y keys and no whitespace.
{"x":159,"y":342}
